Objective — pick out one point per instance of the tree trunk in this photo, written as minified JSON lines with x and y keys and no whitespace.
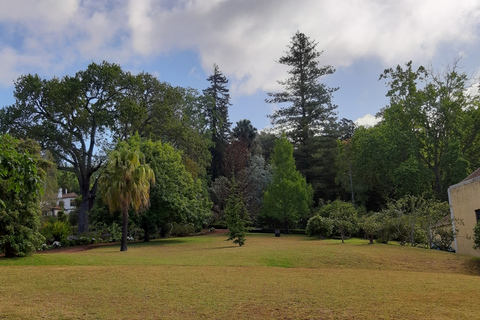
{"x":83,"y":213}
{"x":146,"y":237}
{"x":287,"y":230}
{"x":9,"y":253}
{"x":371,"y":239}
{"x":124,"y":230}
{"x":351,"y":182}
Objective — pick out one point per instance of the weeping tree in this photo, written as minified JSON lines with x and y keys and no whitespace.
{"x":126,"y":184}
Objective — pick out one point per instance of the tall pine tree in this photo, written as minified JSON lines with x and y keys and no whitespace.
{"x":310,"y":117}
{"x":217,"y":116}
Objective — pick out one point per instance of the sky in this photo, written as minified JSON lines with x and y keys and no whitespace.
{"x":180,"y":41}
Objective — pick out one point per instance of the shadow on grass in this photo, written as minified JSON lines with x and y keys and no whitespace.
{"x":473,"y":265}
{"x":217,"y":248}
{"x":156,"y":242}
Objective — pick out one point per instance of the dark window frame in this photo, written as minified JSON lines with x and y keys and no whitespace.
{"x":477,"y":214}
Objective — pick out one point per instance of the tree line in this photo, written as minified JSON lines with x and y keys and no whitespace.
{"x":208,"y":172}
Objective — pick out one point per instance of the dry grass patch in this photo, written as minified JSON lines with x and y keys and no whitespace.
{"x":270,"y":278}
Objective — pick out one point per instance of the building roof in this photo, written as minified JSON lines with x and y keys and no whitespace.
{"x":69,"y":195}
{"x":474,"y":174}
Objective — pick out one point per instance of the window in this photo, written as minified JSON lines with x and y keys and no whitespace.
{"x":477,"y":214}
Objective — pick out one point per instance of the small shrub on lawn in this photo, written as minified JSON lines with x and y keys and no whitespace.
{"x":319,"y":226}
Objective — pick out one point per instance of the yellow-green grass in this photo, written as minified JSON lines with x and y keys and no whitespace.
{"x":291,"y":277}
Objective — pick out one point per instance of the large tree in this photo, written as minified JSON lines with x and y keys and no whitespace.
{"x":125,"y":183}
{"x":159,"y":111}
{"x":431,"y":110}
{"x":288,"y":197}
{"x":177,"y":197}
{"x":71,"y":117}
{"x":217,"y":116}
{"x":309,"y":117}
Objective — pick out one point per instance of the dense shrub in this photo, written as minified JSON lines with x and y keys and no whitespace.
{"x":20,"y":189}
{"x":371,"y":224}
{"x":73,"y":217}
{"x":56,"y":230}
{"x":182,"y":230}
{"x":319,"y":227}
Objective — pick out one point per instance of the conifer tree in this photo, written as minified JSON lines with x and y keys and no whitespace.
{"x":236,"y":215}
{"x":217,"y":116}
{"x":309,"y":117}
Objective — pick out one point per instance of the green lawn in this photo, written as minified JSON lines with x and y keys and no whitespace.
{"x":291,"y":277}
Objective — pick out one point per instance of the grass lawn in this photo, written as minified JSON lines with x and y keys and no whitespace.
{"x":291,"y":277}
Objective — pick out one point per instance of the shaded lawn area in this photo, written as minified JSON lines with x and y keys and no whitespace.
{"x":291,"y":277}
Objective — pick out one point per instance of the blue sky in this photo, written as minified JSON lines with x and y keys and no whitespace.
{"x":179,"y":41}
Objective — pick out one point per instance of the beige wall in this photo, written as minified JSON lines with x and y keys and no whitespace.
{"x":464,"y":200}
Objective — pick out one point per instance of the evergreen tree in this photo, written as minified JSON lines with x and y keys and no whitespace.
{"x":236,"y":215}
{"x":217,"y":116}
{"x":310,"y":116}
{"x":288,"y":196}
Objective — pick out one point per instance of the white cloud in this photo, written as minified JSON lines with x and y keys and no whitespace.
{"x":244,"y":37}
{"x":367,"y":120}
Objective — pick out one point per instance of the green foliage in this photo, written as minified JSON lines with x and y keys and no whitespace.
{"x":216,"y":112}
{"x":182,"y":230}
{"x":126,"y":184}
{"x":319,"y":226}
{"x":177,"y":196}
{"x":288,"y":197}
{"x":20,"y":191}
{"x":43,"y":111}
{"x":310,"y":114}
{"x":371,"y":224}
{"x":105,"y":101}
{"x":108,"y":232}
{"x":444,"y":234}
{"x":56,"y":230}
{"x":73,"y":217}
{"x":236,"y":215}
{"x":244,"y":131}
{"x":416,"y":220}
{"x":405,"y":219}
{"x":476,"y":237}
{"x":159,"y":111}
{"x":429,"y":109}
{"x":67,"y":180}
{"x":344,"y":217}
{"x":50,"y":185}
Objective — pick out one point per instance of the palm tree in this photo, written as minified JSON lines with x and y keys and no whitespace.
{"x":126,"y":184}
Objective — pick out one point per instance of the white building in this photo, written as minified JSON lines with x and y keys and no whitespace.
{"x":66,"y":201}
